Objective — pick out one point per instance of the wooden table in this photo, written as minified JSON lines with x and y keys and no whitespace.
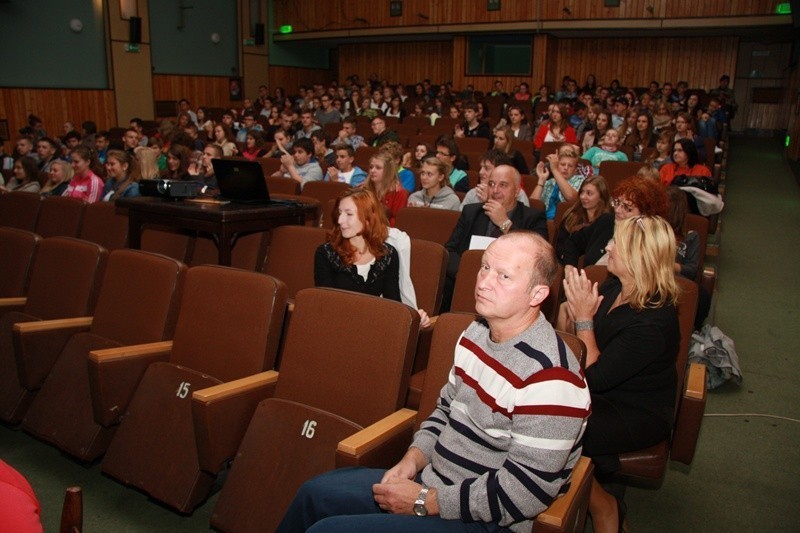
{"x":224,"y":221}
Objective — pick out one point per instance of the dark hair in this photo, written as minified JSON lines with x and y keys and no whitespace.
{"x":72,"y":135}
{"x":133,"y":175}
{"x":497,"y":158}
{"x":30,"y":167}
{"x":49,"y":141}
{"x":182,"y":153}
{"x":346,"y":147}
{"x":449,"y":143}
{"x":321,"y":135}
{"x":304,"y":144}
{"x":89,"y":127}
{"x":689,"y":147}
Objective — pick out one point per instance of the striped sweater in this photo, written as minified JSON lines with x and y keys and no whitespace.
{"x":507,"y":428}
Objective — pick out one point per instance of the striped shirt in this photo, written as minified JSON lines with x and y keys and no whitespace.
{"x":507,"y":428}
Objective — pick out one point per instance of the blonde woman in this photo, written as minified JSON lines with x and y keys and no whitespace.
{"x":57,"y":179}
{"x":630,"y":328}
{"x":383,"y":182}
{"x":147,"y":157}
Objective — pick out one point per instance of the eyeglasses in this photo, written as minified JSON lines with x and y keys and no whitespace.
{"x":627,"y":206}
{"x":443,"y":154}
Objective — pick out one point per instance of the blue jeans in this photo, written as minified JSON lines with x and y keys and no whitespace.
{"x":341,"y":501}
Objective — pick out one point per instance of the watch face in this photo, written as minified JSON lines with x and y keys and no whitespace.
{"x":419,"y":510}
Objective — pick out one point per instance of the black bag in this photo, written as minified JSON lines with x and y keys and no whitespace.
{"x":701,"y":182}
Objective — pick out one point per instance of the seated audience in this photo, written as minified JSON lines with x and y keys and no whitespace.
{"x":685,"y":162}
{"x":300,"y":166}
{"x":254,"y":146}
{"x":504,"y":141}
{"x":422,"y":151}
{"x":147,"y":159}
{"x":348,"y":135}
{"x":447,"y":151}
{"x":101,"y":146}
{"x":25,"y":176}
{"x":327,"y":114}
{"x":383,"y":182}
{"x":397,"y":152}
{"x":47,"y":152}
{"x":249,"y":124}
{"x":607,"y":150}
{"x":357,"y":256}
{"x":685,"y":129}
{"x":123,"y":176}
{"x":630,"y":328}
{"x":472,"y":127}
{"x":480,"y":193}
{"x":380,"y":133}
{"x":633,"y":197}
{"x":556,"y":129}
{"x":138,"y":125}
{"x":130,"y":140}
{"x":663,"y":153}
{"x":601,"y":125}
{"x":593,"y":200}
{"x":642,"y":135}
{"x":558,"y":180}
{"x":224,"y":138}
{"x":57,"y":179}
{"x":20,"y":511}
{"x":436,"y":191}
{"x":178,"y":160}
{"x":84,"y":184}
{"x":322,"y":150}
{"x":525,"y":455}
{"x":343,"y":170}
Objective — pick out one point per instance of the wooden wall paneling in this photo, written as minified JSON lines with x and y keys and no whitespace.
{"x":290,"y":78}
{"x":321,"y":16}
{"x":407,"y":62}
{"x":210,"y":91}
{"x":56,"y":106}
{"x":636,"y":61}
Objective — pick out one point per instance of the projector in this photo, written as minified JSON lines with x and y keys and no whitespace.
{"x":170,"y":189}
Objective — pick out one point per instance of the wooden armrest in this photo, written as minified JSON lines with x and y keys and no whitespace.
{"x":379,"y":444}
{"x":27,"y":328}
{"x":568,"y":512}
{"x":695,"y":382}
{"x":39,"y":343}
{"x":115,"y":373}
{"x":13,"y":302}
{"x":126,"y":352}
{"x":222,"y":414}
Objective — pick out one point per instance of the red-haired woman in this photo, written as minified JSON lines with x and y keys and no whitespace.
{"x":356,"y":256}
{"x":633,"y":197}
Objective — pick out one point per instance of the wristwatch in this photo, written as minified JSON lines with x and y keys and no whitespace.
{"x":505,"y":225}
{"x":419,"y":503}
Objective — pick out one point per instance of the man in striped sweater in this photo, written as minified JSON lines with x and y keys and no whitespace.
{"x":505,"y":435}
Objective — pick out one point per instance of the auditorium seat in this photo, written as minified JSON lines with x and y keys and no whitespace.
{"x":428,"y":268}
{"x":17,"y":255}
{"x":137,"y":304}
{"x":52,"y":294}
{"x":323,"y":191}
{"x":105,"y":224}
{"x":336,"y":377}
{"x":616,"y":171}
{"x":464,"y":291}
{"x":647,"y":467}
{"x":60,"y":216}
{"x":279,"y":185}
{"x":227,"y":333}
{"x":19,"y":210}
{"x":290,"y":256}
{"x":561,"y":208}
{"x":425,"y":223}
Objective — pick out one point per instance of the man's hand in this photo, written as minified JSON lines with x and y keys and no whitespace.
{"x":287,"y":161}
{"x":397,"y":496}
{"x":495,"y":211}
{"x":483,"y":192}
{"x":405,"y":469}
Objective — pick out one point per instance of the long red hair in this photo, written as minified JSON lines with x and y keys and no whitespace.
{"x":373,"y":217}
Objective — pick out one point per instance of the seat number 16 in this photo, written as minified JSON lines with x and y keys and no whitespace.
{"x":308,"y":429}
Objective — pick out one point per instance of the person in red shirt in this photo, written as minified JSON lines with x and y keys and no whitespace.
{"x":19,"y":508}
{"x":383,"y":182}
{"x":685,"y":162}
{"x":557,"y":129}
{"x":85,"y":184}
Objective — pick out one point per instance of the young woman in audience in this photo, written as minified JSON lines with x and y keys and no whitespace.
{"x":57,"y":179}
{"x":544,"y":95}
{"x":593,"y":200}
{"x":685,"y":162}
{"x":559,"y":182}
{"x":84,"y":184}
{"x":480,"y":193}
{"x":224,"y":138}
{"x":663,"y":153}
{"x":557,"y":129}
{"x":591,"y":84}
{"x":630,"y":328}
{"x":662,"y":120}
{"x":204,"y":125}
{"x":685,"y":128}
{"x":397,"y":153}
{"x":357,"y":257}
{"x":147,"y":160}
{"x":395,"y":108}
{"x":123,"y":176}
{"x":633,"y":197}
{"x":26,"y":176}
{"x":382,"y":181}
{"x":413,"y":160}
{"x":628,"y":126}
{"x":649,"y":172}
{"x":518,"y":123}
{"x":254,"y":146}
{"x":693,"y":108}
{"x":178,"y":159}
{"x":601,"y":126}
{"x":504,"y":141}
{"x":607,"y":150}
{"x":642,"y":136}
{"x":436,"y":191}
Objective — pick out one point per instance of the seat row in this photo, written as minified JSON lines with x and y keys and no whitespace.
{"x":146,"y":363}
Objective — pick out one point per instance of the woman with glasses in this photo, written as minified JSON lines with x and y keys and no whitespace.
{"x":632,"y":197}
{"x":630,"y":328}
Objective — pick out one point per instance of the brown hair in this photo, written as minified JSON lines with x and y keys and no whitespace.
{"x":372,"y":216}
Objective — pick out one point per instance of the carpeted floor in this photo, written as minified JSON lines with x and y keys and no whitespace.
{"x":745,"y":476}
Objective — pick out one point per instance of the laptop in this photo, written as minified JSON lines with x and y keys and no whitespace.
{"x":241,"y":182}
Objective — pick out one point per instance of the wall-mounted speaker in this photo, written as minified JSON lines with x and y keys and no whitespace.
{"x":135,"y":30}
{"x":259,"y":33}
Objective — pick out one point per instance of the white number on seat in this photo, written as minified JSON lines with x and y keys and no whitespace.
{"x":183,"y":389}
{"x":308,"y":429}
